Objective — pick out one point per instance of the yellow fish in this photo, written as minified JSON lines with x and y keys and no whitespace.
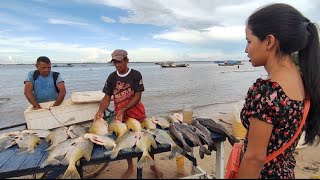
{"x":99,"y":126}
{"x":133,"y":125}
{"x":148,"y":124}
{"x":117,"y":127}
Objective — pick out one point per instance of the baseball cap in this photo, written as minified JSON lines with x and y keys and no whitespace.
{"x":119,"y":54}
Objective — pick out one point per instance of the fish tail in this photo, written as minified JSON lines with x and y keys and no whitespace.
{"x":50,"y":148}
{"x":51,"y":162}
{"x":186,"y":147}
{"x":174,"y":151}
{"x":71,"y":173}
{"x":212,"y":147}
{"x":203,"y":151}
{"x":114,"y":153}
{"x":145,"y":160}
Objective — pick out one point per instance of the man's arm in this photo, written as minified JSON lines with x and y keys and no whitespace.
{"x":61,"y":95}
{"x":28,"y":88}
{"x":104,"y":104}
{"x":135,"y":100}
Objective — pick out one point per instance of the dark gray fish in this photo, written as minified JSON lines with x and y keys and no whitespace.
{"x":178,"y":135}
{"x":206,"y":133}
{"x":193,"y":137}
{"x":217,"y":128}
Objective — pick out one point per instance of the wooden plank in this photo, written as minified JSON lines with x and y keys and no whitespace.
{"x":5,"y":155}
{"x":14,"y":162}
{"x":33,"y":160}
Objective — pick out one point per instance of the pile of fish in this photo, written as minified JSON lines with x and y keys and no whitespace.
{"x":199,"y":133}
{"x":67,"y":145}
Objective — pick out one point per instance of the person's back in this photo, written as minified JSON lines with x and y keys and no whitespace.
{"x":43,"y":85}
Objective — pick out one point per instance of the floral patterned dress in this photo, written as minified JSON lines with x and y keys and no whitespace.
{"x":267,"y":101}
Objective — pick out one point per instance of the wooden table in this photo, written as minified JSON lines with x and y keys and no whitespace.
{"x":15,"y":164}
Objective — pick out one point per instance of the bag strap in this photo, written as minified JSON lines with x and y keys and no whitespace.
{"x":283,"y":148}
{"x":36,"y":74}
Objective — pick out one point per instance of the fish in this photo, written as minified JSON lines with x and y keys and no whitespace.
{"x":6,"y":142}
{"x":99,"y":126}
{"x":161,"y":121}
{"x":178,"y":116}
{"x":206,"y":135}
{"x":75,"y":131}
{"x":28,"y":142}
{"x":144,"y":144}
{"x":12,"y":134}
{"x":171,"y":118}
{"x":178,"y":135}
{"x":162,"y":137}
{"x":118,"y":127}
{"x":103,"y":140}
{"x":59,"y":151}
{"x":148,"y":124}
{"x":133,"y":125}
{"x":41,"y":133}
{"x":193,"y":137}
{"x":57,"y":136}
{"x":217,"y":128}
{"x":7,"y":139}
{"x":82,"y":149}
{"x":128,"y":140}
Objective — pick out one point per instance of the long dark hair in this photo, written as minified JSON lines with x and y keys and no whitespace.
{"x":295,"y":33}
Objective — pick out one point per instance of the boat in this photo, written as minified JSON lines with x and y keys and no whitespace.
{"x":172,"y":65}
{"x":63,"y":65}
{"x":230,"y":63}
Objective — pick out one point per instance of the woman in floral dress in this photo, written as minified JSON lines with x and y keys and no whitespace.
{"x":274,"y":106}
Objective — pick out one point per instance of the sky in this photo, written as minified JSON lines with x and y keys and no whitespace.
{"x":150,"y":30}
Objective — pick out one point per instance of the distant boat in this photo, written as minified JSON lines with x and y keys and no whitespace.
{"x":63,"y":65}
{"x":230,"y":63}
{"x":172,"y":65}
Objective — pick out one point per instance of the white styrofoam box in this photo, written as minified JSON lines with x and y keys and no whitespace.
{"x":87,"y":96}
{"x":66,"y":113}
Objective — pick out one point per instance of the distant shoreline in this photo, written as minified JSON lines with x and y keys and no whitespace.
{"x":217,"y":61}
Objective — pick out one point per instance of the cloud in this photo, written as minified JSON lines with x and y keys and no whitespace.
{"x":65,"y":22}
{"x":215,"y":33}
{"x":107,"y":19}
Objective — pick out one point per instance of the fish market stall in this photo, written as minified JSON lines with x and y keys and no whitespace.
{"x":13,"y":163}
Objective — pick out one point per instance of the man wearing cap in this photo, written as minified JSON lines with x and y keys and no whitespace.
{"x":126,"y":86}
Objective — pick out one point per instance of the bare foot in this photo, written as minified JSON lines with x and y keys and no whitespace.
{"x":157,"y":172}
{"x":127,"y":174}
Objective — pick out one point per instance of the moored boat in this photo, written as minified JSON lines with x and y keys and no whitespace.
{"x":172,"y":65}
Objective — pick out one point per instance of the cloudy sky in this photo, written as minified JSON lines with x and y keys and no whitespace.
{"x":151,"y":30}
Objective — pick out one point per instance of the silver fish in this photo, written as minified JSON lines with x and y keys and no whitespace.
{"x":205,"y":135}
{"x":144,"y":144}
{"x":217,"y":128}
{"x":82,"y":149}
{"x":7,"y":139}
{"x":57,"y":136}
{"x":193,"y":137}
{"x":163,"y":137}
{"x":59,"y":151}
{"x":178,"y":135}
{"x":41,"y":133}
{"x":75,"y":131}
{"x":28,"y":142}
{"x":128,"y":140}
